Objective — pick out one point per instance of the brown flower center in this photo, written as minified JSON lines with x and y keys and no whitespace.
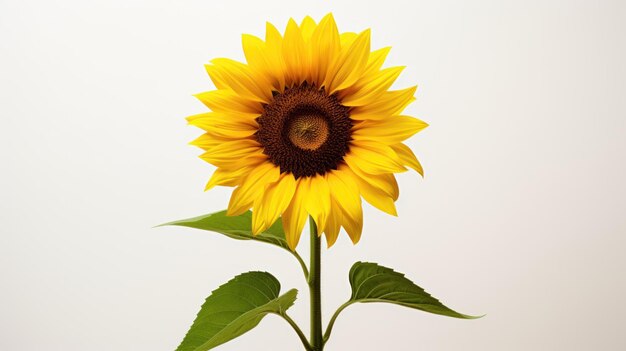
{"x":305,"y":131}
{"x":308,"y":132}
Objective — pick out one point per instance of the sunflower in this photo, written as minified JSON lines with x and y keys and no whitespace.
{"x":307,"y":126}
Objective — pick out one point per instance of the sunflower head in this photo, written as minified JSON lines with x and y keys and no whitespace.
{"x":307,"y":126}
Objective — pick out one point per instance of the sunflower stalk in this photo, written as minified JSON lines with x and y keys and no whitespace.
{"x":317,"y":340}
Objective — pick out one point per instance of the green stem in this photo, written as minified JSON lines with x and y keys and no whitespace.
{"x":317,"y":341}
{"x":302,"y":264}
{"x":329,"y":328}
{"x":295,"y":327}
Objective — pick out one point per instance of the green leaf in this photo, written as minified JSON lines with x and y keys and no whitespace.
{"x":234,"y":308}
{"x":236,"y":227}
{"x":240,"y":228}
{"x":373,"y":283}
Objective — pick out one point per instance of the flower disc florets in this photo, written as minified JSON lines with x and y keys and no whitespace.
{"x":305,"y":131}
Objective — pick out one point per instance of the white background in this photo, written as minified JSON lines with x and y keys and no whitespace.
{"x":521,"y":215}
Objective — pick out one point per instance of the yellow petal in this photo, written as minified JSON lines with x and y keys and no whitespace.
{"x":348,"y":67}
{"x":388,"y":104}
{"x":379,"y":200}
{"x":276,"y":197}
{"x":295,"y":215}
{"x":307,"y":27}
{"x":333,"y":225}
{"x":317,"y":204}
{"x":353,"y":224}
{"x":347,"y":39}
{"x":231,"y":152}
{"x":408,"y":157}
{"x":208,"y":141}
{"x":236,"y":76}
{"x":375,"y":196}
{"x":373,"y":158}
{"x":260,"y":59}
{"x":209,"y":119}
{"x":390,"y":131}
{"x":272,"y":36}
{"x":228,"y":177}
{"x":228,"y":101}
{"x":252,"y":187}
{"x":368,"y":88}
{"x":274,"y":54}
{"x":384,"y":182}
{"x":376,"y":60}
{"x":346,"y":193}
{"x":295,"y":54}
{"x":254,"y":51}
{"x":224,"y":126}
{"x":231,"y":134}
{"x":325,"y":46}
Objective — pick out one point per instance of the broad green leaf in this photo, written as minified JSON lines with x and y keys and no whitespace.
{"x":234,"y":308}
{"x":236,"y":227}
{"x":373,"y":283}
{"x":240,"y":228}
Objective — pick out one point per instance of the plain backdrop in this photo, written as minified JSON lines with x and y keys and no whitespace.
{"x":521,"y":215}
